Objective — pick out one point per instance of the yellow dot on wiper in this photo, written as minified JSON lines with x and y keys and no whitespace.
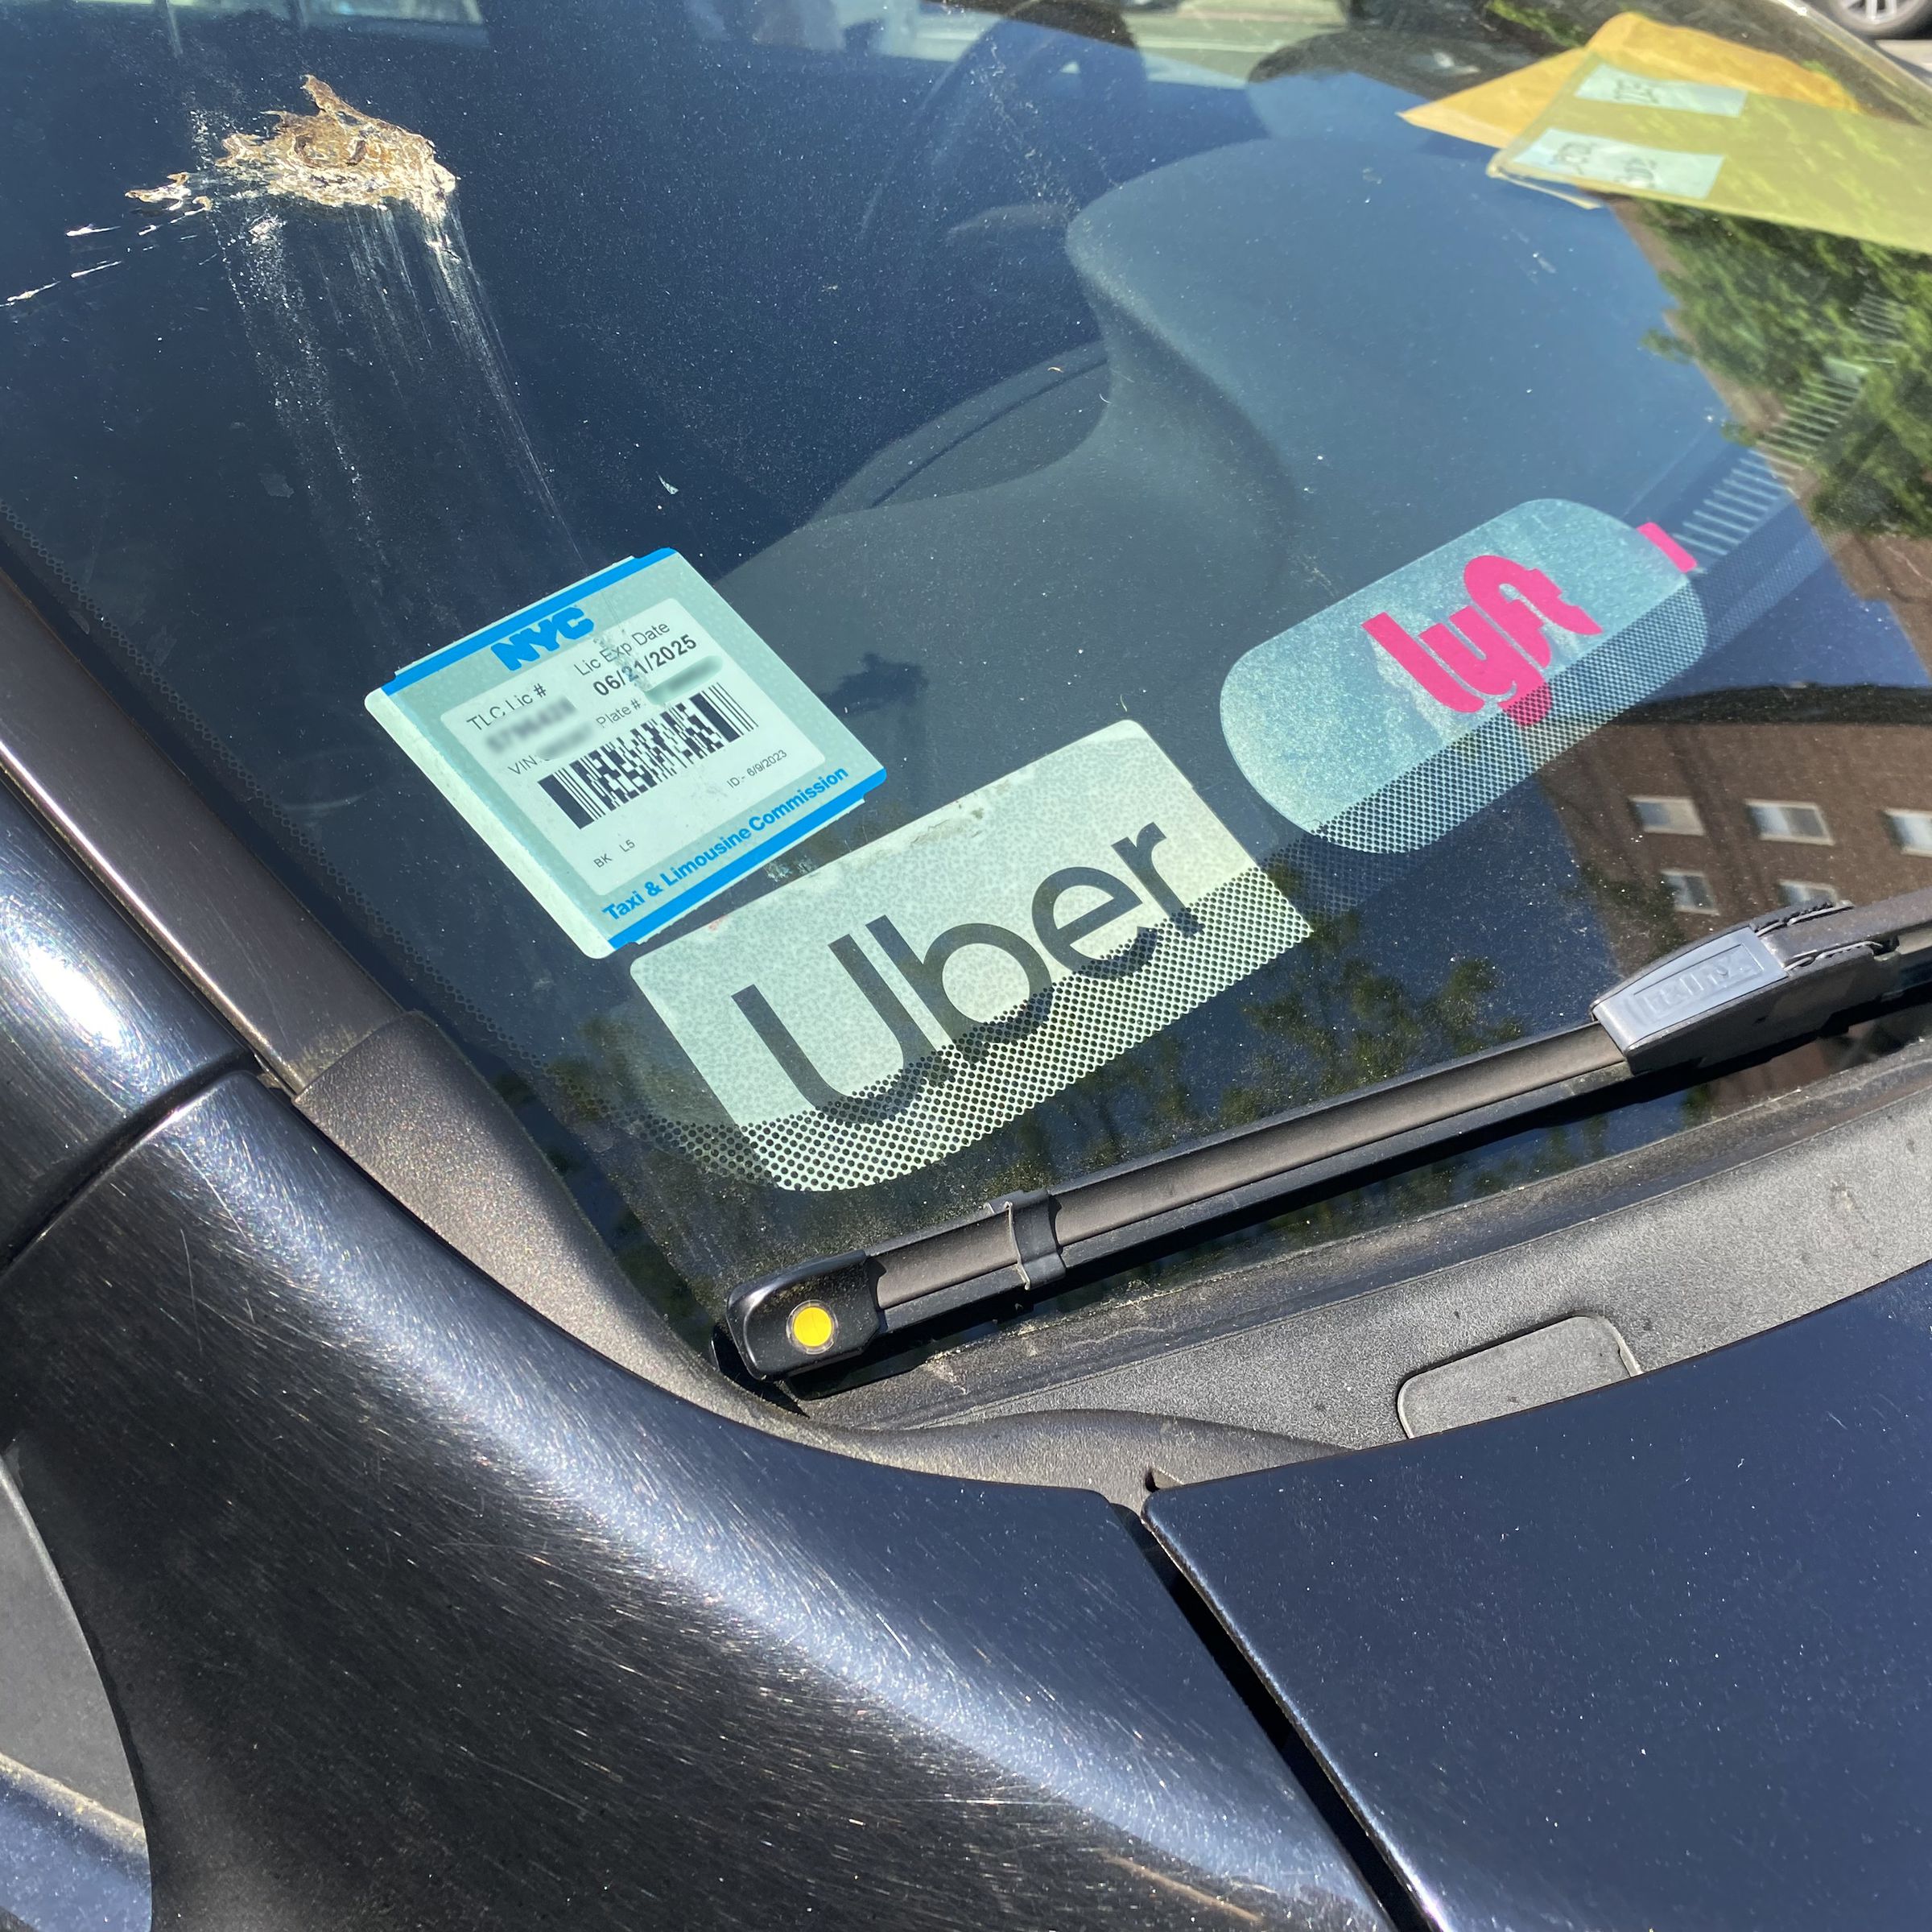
{"x":812,"y":1325}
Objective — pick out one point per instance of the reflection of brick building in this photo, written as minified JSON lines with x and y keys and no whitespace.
{"x":1894,"y":569}
{"x":1693,"y":813}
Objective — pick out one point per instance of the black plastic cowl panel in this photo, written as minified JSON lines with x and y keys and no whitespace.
{"x":417,"y":1612}
{"x":407,"y":1107}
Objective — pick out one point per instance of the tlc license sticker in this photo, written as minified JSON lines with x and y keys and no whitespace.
{"x":627,"y":746}
{"x":906,"y":999}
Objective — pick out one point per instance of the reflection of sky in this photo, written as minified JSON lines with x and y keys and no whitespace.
{"x":1526,"y":357}
{"x":1339,"y":107}
{"x":1821,"y":633}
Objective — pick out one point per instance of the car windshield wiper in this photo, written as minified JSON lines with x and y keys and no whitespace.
{"x":1777,"y":978}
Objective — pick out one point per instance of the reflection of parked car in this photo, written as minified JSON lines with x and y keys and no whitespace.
{"x":1882,"y":20}
{"x":1096,"y":1337}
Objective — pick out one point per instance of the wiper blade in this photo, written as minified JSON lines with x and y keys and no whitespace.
{"x":1778,"y":978}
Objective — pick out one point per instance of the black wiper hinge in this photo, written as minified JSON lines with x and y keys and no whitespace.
{"x":1776,"y":979}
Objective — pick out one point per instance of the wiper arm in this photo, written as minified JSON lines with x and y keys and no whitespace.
{"x":1778,"y":978}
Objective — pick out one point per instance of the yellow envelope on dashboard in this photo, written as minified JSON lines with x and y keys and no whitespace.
{"x":1613,"y":130}
{"x":1497,"y":111}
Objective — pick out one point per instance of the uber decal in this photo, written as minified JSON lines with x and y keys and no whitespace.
{"x":905,"y":1000}
{"x":626,"y":747}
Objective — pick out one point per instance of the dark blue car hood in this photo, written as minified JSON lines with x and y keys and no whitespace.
{"x":1655,"y":1656}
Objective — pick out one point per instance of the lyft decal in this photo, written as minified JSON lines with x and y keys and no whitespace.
{"x":1508,"y":645}
{"x":1496,"y":646}
{"x":903,"y":1001}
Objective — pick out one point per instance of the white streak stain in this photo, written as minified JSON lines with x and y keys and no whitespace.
{"x":341,"y":242}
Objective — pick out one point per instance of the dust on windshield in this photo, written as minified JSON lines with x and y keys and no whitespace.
{"x":878,"y":604}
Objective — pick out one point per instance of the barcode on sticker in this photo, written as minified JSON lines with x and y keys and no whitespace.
{"x":676,"y":738}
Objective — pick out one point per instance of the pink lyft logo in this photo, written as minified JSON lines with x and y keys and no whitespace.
{"x":1498,"y":644}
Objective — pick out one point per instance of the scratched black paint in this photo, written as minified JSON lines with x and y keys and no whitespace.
{"x":416,"y":1612}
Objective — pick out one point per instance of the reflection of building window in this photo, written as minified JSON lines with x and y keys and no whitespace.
{"x":219,"y":6}
{"x":1668,"y":815}
{"x":438,"y":13}
{"x":1689,"y":892}
{"x":1792,"y":825}
{"x":1803,"y":892}
{"x":438,"y":18}
{"x":1912,"y":831}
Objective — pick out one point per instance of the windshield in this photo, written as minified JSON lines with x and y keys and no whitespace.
{"x":878,"y":604}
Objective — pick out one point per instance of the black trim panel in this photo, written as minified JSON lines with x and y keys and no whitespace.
{"x":417,"y":1612}
{"x":238,"y":937}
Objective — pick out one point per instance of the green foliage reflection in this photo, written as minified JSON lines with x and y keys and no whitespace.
{"x":1788,"y":313}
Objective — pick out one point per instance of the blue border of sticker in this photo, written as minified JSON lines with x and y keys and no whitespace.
{"x":716,"y":882}
{"x":543,"y":606}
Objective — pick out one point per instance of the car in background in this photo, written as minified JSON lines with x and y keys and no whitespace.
{"x":1883,"y":19}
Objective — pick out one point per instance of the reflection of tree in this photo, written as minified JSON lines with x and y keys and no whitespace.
{"x":1778,"y":310}
{"x":1340,"y":1023}
{"x":1326,"y":1019}
{"x":1546,"y":30}
{"x":1355,"y":1024}
{"x":1332,"y":1021}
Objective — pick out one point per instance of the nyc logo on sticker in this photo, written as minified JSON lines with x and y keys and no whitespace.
{"x":1505,"y":646}
{"x":908,"y":998}
{"x":550,"y":632}
{"x":627,"y":747}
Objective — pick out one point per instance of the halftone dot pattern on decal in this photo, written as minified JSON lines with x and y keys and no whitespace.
{"x":1006,"y":1067}
{"x":1474,"y":771}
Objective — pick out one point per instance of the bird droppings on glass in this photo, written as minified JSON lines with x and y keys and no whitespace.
{"x":337,"y":157}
